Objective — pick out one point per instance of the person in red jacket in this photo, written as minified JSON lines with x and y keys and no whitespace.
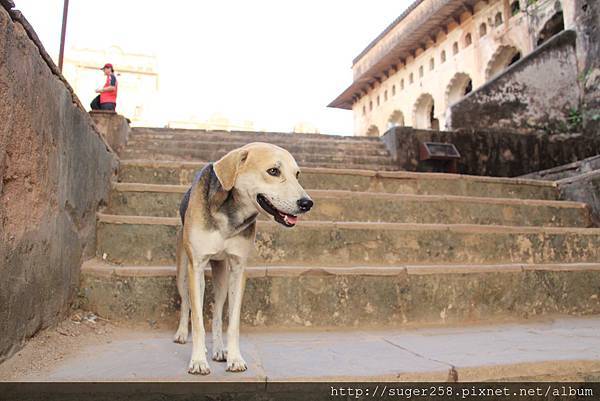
{"x":107,"y":98}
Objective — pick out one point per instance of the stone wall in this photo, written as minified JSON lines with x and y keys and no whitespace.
{"x":587,"y":23}
{"x":500,"y":153}
{"x":538,"y":93}
{"x":55,"y":171}
{"x":113,"y":127}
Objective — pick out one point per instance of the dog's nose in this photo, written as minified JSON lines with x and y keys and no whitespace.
{"x":305,"y":204}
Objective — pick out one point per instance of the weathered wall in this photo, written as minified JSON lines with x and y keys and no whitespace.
{"x":567,"y":170}
{"x":587,"y":23}
{"x":583,"y":188}
{"x":493,"y":152}
{"x":538,"y":93}
{"x":55,"y":170}
{"x":579,"y":181}
{"x":113,"y":127}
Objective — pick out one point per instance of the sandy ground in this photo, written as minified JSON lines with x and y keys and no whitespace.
{"x":82,"y":329}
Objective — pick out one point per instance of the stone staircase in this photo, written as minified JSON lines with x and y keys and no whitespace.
{"x":309,"y":150}
{"x":381,"y":247}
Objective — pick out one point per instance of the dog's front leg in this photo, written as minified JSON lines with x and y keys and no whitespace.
{"x":235,"y":362}
{"x":198,"y":363}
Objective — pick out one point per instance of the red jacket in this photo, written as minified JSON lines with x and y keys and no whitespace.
{"x":110,"y":97}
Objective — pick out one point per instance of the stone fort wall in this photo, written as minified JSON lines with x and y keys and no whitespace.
{"x":55,"y":171}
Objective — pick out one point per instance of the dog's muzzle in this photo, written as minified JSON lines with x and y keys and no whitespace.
{"x":285,"y":219}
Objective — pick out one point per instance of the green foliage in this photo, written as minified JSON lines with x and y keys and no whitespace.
{"x":575,"y":119}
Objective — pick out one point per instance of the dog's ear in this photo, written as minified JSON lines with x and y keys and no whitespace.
{"x":227,"y":168}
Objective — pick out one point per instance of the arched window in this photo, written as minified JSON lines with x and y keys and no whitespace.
{"x":431,"y":64}
{"x":402,"y":84}
{"x":393,"y":90}
{"x":385,"y":96}
{"x":377,"y":100}
{"x":515,"y":7}
{"x":411,"y":78}
{"x":443,"y":56}
{"x":421,"y":72}
{"x":468,"y":40}
{"x":482,"y":29}
{"x":370,"y":105}
{"x":455,"y":48}
{"x":498,"y":19}
{"x":364,"y":110}
{"x":553,"y":26}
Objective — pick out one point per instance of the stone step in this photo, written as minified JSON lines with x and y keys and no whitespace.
{"x":220,"y":148}
{"x":301,"y":158}
{"x":252,"y":136}
{"x":363,"y":296}
{"x":164,"y":200}
{"x":141,"y":240}
{"x":181,"y":173}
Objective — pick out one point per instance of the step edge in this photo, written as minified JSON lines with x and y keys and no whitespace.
{"x":334,"y":193}
{"x":369,"y":173}
{"x":475,"y":228}
{"x":96,"y":266}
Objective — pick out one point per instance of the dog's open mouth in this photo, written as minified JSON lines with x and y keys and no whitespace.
{"x":287,"y":220}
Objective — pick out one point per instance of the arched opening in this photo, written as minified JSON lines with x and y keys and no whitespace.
{"x":373,"y":131}
{"x":455,"y":48}
{"x":553,"y":26}
{"x":396,"y":119}
{"x":515,"y":7}
{"x":443,"y":56}
{"x":498,"y":20}
{"x":459,"y":86}
{"x":468,"y":40}
{"x":502,"y":58}
{"x":482,"y":30}
{"x":424,"y":113}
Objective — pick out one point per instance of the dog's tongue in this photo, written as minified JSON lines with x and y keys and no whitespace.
{"x":290,"y":219}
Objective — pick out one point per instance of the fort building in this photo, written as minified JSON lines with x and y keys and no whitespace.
{"x":438,"y":51}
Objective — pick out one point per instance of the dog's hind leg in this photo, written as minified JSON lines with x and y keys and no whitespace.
{"x":220,"y":277}
{"x":182,"y":286}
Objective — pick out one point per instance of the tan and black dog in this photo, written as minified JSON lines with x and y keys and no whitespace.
{"x":219,"y":214}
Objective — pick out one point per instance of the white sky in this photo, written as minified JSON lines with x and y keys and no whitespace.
{"x":272,"y":62}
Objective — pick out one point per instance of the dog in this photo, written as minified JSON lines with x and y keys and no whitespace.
{"x":218,"y":215}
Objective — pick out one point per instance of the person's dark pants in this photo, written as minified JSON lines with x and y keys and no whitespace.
{"x":96,"y":105}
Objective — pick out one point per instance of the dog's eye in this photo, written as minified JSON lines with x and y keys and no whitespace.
{"x":274,"y":172}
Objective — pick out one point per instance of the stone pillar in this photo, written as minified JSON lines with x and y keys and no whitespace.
{"x":113,"y":127}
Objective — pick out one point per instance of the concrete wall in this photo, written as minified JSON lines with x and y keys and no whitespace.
{"x":500,"y":153}
{"x":55,"y":171}
{"x":538,"y":93}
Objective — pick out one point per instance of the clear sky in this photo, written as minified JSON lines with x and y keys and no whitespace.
{"x":273,"y":62}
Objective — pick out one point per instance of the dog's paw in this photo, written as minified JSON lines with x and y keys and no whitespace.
{"x":236,"y":364}
{"x":220,"y":355}
{"x":180,"y":337}
{"x":199,"y":367}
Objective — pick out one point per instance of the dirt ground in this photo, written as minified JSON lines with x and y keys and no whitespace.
{"x":80,"y":330}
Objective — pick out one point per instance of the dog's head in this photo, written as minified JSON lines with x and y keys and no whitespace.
{"x":267,"y":176}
